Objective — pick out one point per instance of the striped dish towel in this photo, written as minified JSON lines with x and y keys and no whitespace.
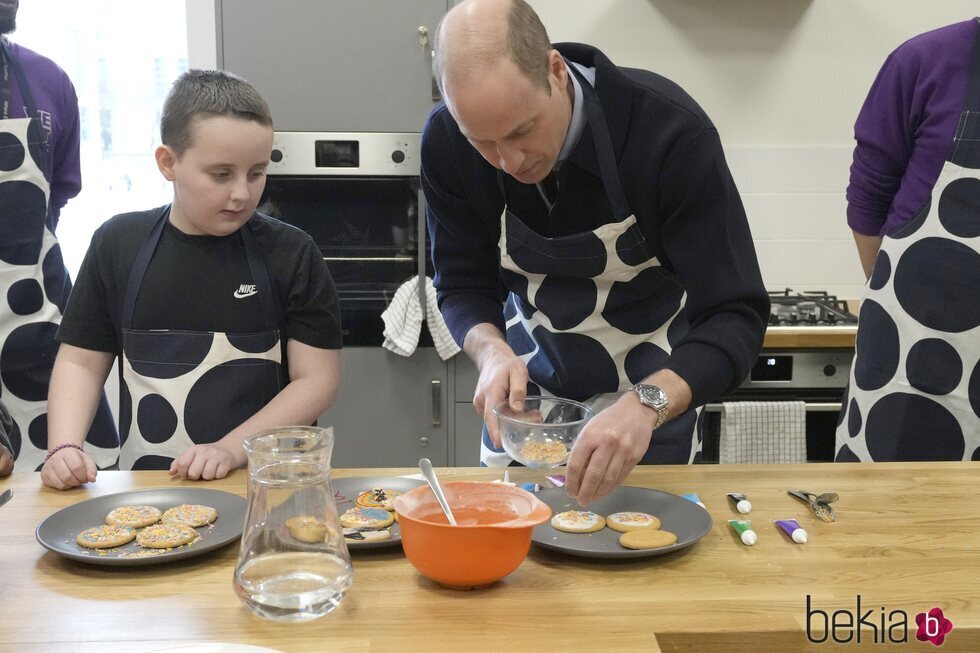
{"x":763,"y":432}
{"x":403,"y":321}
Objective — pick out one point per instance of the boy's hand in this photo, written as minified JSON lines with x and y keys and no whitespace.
{"x":204,"y":462}
{"x":68,"y":468}
{"x":6,"y":461}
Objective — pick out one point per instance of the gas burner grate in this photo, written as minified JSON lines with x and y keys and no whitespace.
{"x":808,"y":308}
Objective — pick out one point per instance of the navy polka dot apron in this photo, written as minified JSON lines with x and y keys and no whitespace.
{"x":182,"y":388}
{"x":914,"y":391}
{"x":592,"y":313}
{"x":34,"y":284}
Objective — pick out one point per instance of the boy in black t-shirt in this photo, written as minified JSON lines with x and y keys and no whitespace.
{"x":224,"y":320}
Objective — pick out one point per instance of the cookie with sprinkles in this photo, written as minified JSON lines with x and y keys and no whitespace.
{"x":377,"y":498}
{"x":190,"y":514}
{"x":106,"y":536}
{"x":135,"y":516}
{"x":578,"y":521}
{"x":631,"y":521}
{"x":366,"y":518}
{"x":166,"y":536}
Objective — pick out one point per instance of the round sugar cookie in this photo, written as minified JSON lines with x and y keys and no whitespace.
{"x":367,"y":535}
{"x":105,"y":536}
{"x":307,"y":528}
{"x":377,"y":498}
{"x":165,"y":536}
{"x":647,"y":538}
{"x":578,"y":521}
{"x":366,"y":518}
{"x":135,"y":516}
{"x":190,"y":514}
{"x":630,"y":521}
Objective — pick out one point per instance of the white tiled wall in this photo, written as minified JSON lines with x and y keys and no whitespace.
{"x":783,"y":80}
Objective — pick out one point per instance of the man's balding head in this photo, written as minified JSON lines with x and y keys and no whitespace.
{"x":477,"y":35}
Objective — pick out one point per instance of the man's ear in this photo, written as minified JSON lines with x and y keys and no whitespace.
{"x":166,"y":158}
{"x":557,"y":69}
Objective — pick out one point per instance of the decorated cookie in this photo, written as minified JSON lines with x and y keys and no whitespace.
{"x":135,"y":516}
{"x":307,"y":528}
{"x":165,"y":536}
{"x":630,"y":521}
{"x":190,"y":514}
{"x":377,"y":498}
{"x":363,"y":535}
{"x":106,"y":536}
{"x":366,"y":518}
{"x":647,"y":538}
{"x":578,"y":521}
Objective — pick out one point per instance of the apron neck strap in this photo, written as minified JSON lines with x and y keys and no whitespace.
{"x":973,"y":90}
{"x":10,"y":62}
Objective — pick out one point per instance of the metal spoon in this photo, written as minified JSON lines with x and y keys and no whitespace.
{"x":819,"y":504}
{"x":426,"y":466}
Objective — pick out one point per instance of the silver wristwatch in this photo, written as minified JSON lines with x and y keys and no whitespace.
{"x":654,"y":397}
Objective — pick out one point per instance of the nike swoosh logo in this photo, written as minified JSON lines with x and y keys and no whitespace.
{"x":241,"y":295}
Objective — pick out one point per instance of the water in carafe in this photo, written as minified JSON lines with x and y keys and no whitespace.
{"x":293,"y":564}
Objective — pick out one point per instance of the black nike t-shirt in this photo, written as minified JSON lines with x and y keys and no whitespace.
{"x":200,"y":283}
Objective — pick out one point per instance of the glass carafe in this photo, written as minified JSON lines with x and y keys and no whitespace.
{"x":293,"y":564}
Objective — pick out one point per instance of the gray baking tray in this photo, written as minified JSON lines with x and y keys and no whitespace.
{"x":58,"y":531}
{"x":689,"y":521}
{"x":345,"y":490}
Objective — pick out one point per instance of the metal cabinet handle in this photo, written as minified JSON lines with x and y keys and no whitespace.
{"x":436,"y":402}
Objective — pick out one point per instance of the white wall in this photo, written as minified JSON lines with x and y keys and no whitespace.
{"x":783,"y":80}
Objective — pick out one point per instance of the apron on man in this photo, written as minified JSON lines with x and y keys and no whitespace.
{"x":181,"y":388}
{"x":34,"y":283}
{"x":594,"y":312}
{"x":914,"y":391}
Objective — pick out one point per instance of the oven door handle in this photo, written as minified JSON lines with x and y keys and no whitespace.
{"x":814,"y":407}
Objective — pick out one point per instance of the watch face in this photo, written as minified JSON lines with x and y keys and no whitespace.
{"x":651,"y":394}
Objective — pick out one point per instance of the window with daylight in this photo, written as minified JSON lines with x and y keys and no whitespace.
{"x":122,"y":56}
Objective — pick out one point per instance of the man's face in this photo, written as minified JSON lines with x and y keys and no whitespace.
{"x":514,"y":124}
{"x":219,"y":179}
{"x":8,"y":15}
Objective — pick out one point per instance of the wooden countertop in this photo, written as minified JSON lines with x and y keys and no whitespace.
{"x":810,"y":337}
{"x":906,"y":539}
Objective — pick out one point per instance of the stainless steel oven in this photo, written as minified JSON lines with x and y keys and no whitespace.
{"x":797,"y":364}
{"x":357,"y":195}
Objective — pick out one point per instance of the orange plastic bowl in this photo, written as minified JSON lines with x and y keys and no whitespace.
{"x":491,"y":538}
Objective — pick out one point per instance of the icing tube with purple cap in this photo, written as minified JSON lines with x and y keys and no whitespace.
{"x":792,"y":528}
{"x":744,"y":530}
{"x":557,"y":481}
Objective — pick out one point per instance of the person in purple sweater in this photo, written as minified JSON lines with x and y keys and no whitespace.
{"x":588,"y":241}
{"x":913,"y":204}
{"x":39,"y":173}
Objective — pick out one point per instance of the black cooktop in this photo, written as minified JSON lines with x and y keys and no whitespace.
{"x":808,"y":308}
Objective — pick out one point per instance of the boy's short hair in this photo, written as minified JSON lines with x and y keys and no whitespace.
{"x":208,"y":93}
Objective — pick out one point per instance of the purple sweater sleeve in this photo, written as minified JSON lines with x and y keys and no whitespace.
{"x":905,"y":128}
{"x":57,"y":106}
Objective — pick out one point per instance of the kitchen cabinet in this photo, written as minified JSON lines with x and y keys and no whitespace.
{"x":334,"y":65}
{"x":467,"y":424}
{"x":391,"y":410}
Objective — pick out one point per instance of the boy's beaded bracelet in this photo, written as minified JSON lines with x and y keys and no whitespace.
{"x":67,"y":445}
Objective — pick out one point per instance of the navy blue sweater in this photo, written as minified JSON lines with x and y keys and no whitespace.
{"x":678,"y":185}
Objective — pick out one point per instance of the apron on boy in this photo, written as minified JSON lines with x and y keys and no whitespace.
{"x":594,"y":312}
{"x":181,"y":388}
{"x":34,"y":283}
{"x":914,"y":391}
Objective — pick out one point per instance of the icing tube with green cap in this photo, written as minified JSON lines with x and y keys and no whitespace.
{"x":744,"y":530}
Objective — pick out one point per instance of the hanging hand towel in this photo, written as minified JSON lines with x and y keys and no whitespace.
{"x":403,"y":319}
{"x":763,"y":432}
{"x":441,"y":337}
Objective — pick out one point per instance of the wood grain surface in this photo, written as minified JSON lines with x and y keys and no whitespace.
{"x":906,"y":540}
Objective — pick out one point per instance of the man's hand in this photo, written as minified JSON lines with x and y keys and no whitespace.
{"x":503,"y":377}
{"x":205,"y":462}
{"x":608,"y":448}
{"x":68,"y":468}
{"x":6,"y":461}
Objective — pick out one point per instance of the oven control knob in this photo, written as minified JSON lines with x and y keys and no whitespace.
{"x":397,"y":156}
{"x":829,"y":370}
{"x":276,"y":156}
